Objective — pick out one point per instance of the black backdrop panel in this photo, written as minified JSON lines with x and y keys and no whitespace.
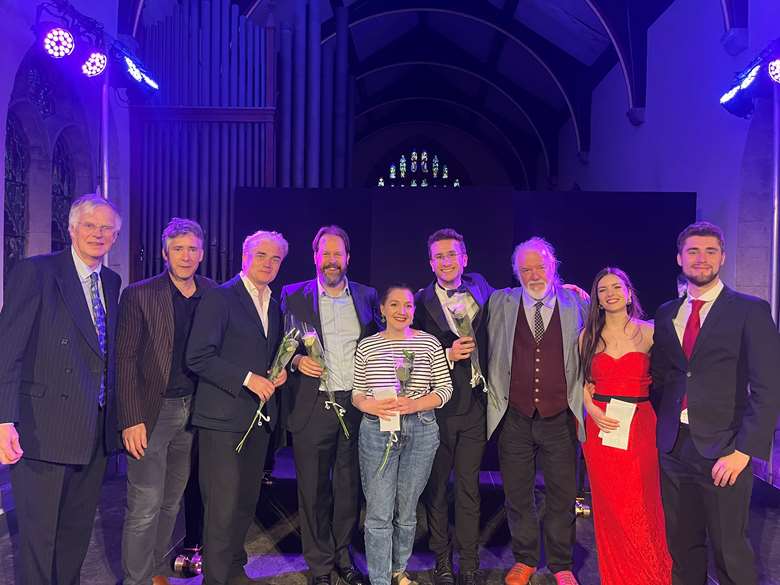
{"x":389,"y":229}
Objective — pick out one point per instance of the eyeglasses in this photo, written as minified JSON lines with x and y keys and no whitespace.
{"x":450,"y":256}
{"x":92,"y":228}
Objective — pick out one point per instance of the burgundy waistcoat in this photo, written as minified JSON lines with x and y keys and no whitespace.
{"x":538,"y":378}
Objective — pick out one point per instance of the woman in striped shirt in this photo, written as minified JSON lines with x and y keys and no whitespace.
{"x":394,"y":466}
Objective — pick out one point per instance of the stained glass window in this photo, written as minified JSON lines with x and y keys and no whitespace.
{"x":418,"y":169}
{"x":62,"y":185}
{"x":17,"y":165}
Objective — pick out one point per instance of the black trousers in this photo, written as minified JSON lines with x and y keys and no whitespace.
{"x":326,"y":465}
{"x":55,"y":508}
{"x":461,"y":445}
{"x":695,"y":510}
{"x":555,"y":440}
{"x":230,"y":486}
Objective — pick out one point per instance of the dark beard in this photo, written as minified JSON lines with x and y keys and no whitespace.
{"x":333,"y":280}
{"x":703,"y":280}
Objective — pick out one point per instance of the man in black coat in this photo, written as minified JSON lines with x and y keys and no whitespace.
{"x":233,"y":341}
{"x":57,"y":415}
{"x":462,"y":423}
{"x":326,"y":460}
{"x":716,"y":391}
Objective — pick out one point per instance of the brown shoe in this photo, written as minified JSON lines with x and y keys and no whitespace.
{"x":160,"y":580}
{"x":519,"y":574}
{"x":565,"y":578}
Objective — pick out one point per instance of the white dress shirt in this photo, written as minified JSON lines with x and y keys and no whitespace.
{"x":261,"y":300}
{"x":84,"y":273}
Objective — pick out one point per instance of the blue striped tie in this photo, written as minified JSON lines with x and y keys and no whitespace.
{"x":100,"y":327}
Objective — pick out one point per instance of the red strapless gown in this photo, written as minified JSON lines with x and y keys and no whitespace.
{"x":625,"y":486}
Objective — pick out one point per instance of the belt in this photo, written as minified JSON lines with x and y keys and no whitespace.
{"x":631,"y":399}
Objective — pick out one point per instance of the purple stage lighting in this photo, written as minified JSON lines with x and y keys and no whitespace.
{"x":95,"y":65}
{"x":59,"y":43}
{"x":133,"y":69}
{"x":774,"y":70}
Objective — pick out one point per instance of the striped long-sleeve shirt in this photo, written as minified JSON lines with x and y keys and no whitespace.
{"x":375,"y":361}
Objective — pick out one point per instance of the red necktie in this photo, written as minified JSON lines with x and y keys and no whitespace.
{"x":692,"y":328}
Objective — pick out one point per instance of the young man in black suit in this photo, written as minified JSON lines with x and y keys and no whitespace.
{"x":716,"y":391}
{"x":326,"y":460}
{"x":57,"y":415}
{"x":234,"y":338}
{"x":462,"y":423}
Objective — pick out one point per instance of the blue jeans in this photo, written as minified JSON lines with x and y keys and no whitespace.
{"x":392,"y":492}
{"x":155,"y":485}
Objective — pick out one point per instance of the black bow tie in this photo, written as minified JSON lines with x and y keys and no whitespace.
{"x":452,"y":291}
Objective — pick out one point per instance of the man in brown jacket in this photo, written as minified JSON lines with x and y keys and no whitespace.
{"x":154,"y":389}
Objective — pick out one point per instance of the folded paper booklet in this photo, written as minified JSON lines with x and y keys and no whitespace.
{"x":623,"y":412}
{"x":394,"y":424}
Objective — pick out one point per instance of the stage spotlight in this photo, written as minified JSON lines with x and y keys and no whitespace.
{"x":59,"y":43}
{"x":729,"y":95}
{"x":95,"y":64}
{"x":750,"y":77}
{"x":133,"y":69}
{"x":774,"y":70}
{"x":149,"y":81}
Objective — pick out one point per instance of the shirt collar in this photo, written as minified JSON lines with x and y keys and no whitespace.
{"x":253,"y":291}
{"x":81,"y":267}
{"x":709,"y":295}
{"x":344,"y":293}
{"x":548,"y":300}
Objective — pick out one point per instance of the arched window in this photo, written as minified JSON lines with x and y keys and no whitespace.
{"x":63,"y":183}
{"x":17,"y":165}
{"x":418,"y":170}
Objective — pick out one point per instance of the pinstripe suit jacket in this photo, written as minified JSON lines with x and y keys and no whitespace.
{"x":51,"y":365}
{"x":144,"y":346}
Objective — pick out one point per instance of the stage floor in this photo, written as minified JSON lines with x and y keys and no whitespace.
{"x":273,"y":543}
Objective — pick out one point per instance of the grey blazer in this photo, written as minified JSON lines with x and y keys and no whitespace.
{"x":502,"y":319}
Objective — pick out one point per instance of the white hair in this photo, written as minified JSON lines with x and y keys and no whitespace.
{"x":87,"y":204}
{"x":254,"y":239}
{"x":542,"y":247}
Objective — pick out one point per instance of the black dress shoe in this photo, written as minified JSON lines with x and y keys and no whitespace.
{"x":322,"y":580}
{"x":469,"y":578}
{"x":442,"y":574}
{"x":351,"y":576}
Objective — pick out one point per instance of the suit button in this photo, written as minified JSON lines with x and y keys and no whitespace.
{"x":68,"y":370}
{"x":64,"y":396}
{"x":64,"y":341}
{"x":688,"y":374}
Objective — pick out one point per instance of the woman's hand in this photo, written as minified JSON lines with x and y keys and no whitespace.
{"x":406,"y":405}
{"x":383,"y":409}
{"x":598,"y":415}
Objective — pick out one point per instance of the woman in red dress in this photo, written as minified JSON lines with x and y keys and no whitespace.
{"x":625,"y":486}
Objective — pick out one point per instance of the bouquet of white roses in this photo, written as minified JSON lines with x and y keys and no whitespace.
{"x":286,"y":351}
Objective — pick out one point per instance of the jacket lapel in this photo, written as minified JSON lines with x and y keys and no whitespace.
{"x":364,"y":313}
{"x":475,"y":294}
{"x":75,"y":301}
{"x":249,"y":306}
{"x":164,"y":310}
{"x":311,"y":296}
{"x":513,"y":304}
{"x":434,"y":308}
{"x":667,"y":322}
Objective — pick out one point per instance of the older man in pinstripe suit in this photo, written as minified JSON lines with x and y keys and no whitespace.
{"x":154,"y":396}
{"x":56,"y":392}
